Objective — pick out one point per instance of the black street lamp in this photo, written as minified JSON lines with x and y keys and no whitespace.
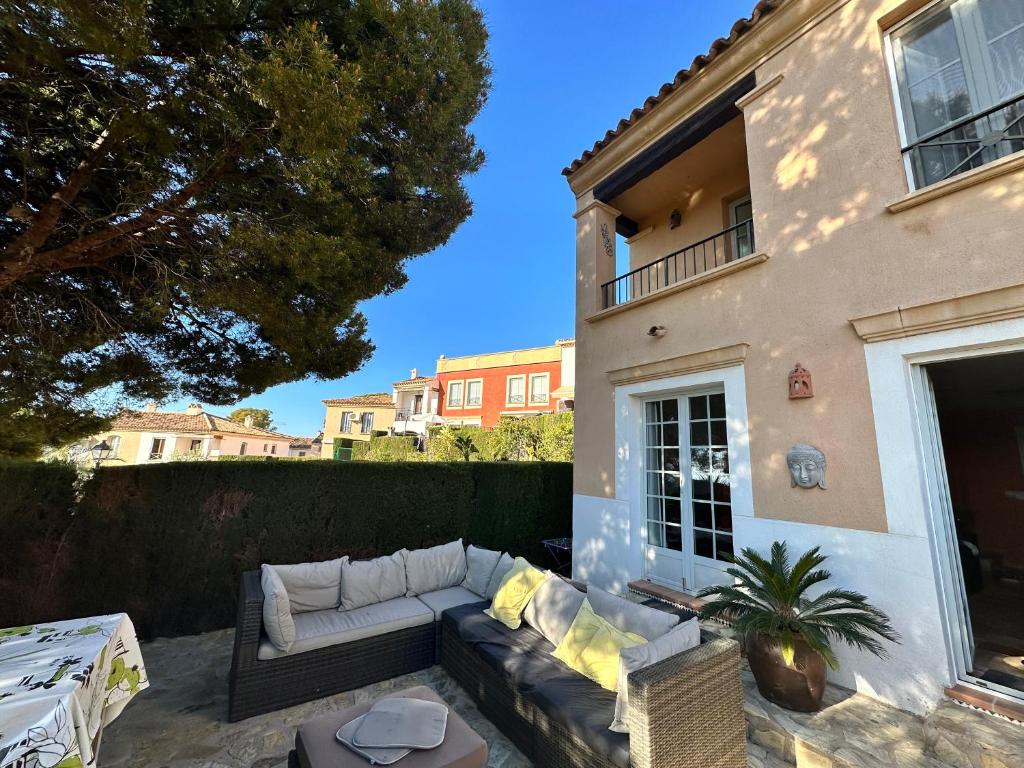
{"x":100,"y":452}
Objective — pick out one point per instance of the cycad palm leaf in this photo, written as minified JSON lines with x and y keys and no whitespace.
{"x":769,"y":597}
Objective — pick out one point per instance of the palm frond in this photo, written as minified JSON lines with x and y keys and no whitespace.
{"x":769,"y":597}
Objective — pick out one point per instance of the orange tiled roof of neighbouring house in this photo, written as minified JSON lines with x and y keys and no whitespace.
{"x":415,"y":380}
{"x":722,"y":44}
{"x":374,"y":400}
{"x":198,"y":423}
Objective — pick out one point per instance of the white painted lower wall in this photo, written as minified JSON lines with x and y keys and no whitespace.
{"x":895,"y":571}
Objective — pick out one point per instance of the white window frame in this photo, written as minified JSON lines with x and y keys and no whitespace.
{"x":242,"y":448}
{"x":198,"y":449}
{"x":466,"y":396}
{"x":114,"y":441}
{"x":153,"y":455}
{"x":462,"y":393}
{"x":508,"y":390}
{"x":977,"y":82}
{"x":366,"y":427}
{"x":630,"y":462}
{"x":347,"y":417}
{"x":529,"y":394}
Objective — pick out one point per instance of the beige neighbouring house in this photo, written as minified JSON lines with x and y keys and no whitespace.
{"x":151,"y":436}
{"x":839,"y":185}
{"x":354,"y":419}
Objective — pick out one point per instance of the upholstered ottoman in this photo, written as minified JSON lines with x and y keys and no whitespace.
{"x":317,"y":747}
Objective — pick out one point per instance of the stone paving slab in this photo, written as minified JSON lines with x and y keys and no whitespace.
{"x":180,"y":722}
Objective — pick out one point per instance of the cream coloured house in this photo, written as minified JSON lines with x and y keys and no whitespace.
{"x":152,"y":436}
{"x":349,"y":420}
{"x":838,"y":185}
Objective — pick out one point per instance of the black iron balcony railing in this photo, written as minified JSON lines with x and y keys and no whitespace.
{"x":968,"y":143}
{"x":731,"y":244}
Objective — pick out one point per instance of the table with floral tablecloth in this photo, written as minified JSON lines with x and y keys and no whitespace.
{"x":60,"y":684}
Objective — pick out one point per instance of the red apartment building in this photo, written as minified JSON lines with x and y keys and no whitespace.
{"x":479,"y":389}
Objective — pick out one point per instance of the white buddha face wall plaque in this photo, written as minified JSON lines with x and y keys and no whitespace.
{"x":806,"y":466}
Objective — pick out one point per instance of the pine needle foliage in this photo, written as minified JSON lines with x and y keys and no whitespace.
{"x":771,"y":597}
{"x":196,"y":197}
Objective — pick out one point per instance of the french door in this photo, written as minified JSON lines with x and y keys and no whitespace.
{"x":687,"y":486}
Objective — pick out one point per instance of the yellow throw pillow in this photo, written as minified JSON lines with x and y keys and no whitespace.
{"x":514,"y":593}
{"x":591,"y":647}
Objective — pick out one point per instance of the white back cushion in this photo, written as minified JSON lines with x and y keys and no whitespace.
{"x":553,"y":607}
{"x":428,"y":570}
{"x":277,"y":617}
{"x":480,"y":564}
{"x":365,"y":582}
{"x":649,"y":623}
{"x":312,"y":586}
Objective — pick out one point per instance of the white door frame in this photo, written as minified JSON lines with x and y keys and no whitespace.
{"x":629,"y":458}
{"x":916,"y":498}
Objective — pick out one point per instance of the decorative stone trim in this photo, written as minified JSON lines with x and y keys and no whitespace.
{"x":597,"y":204}
{"x":722,"y":357}
{"x":758,"y":92}
{"x":691,"y":282}
{"x":996,"y":168}
{"x":973,"y":309}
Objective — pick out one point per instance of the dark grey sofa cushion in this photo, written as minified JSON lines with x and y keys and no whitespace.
{"x":583,"y":708}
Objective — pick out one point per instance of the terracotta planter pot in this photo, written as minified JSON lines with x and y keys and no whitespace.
{"x":798,"y":686}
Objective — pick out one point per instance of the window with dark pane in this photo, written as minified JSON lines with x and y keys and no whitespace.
{"x":663,"y":481}
{"x":711,"y":496}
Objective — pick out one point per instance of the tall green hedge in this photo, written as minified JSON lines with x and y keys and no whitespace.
{"x":36,"y":519}
{"x":167,"y":543}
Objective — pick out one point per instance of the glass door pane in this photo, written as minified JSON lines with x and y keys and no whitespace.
{"x":711,"y":492}
{"x":662,"y":476}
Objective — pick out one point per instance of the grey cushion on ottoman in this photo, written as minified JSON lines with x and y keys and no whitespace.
{"x":317,"y":747}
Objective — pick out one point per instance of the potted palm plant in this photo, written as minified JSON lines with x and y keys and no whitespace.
{"x":787,"y":632}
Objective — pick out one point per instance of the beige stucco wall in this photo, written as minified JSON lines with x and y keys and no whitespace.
{"x":824,"y":162}
{"x":128,"y":450}
{"x":383,"y":418}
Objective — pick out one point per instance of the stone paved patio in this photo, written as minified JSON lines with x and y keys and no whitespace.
{"x":179,"y":722}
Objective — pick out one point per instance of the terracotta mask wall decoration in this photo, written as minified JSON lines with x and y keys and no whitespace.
{"x":806,"y":466}
{"x":800,"y":385}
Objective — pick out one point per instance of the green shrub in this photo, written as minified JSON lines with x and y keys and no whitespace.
{"x":36,"y":516}
{"x":167,"y":543}
{"x":389,"y":448}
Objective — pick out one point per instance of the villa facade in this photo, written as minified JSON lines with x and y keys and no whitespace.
{"x":800,"y":317}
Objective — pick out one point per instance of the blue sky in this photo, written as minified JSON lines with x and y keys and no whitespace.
{"x":565,"y":71}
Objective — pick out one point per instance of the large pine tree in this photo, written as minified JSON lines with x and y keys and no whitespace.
{"x":194,"y":196}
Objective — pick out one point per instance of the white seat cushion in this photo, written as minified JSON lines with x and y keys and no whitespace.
{"x":319,"y":629}
{"x":443,"y":599}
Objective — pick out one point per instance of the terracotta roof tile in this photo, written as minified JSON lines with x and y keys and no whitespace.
{"x":189,"y":423}
{"x":722,"y":44}
{"x":417,"y":380}
{"x":374,"y":400}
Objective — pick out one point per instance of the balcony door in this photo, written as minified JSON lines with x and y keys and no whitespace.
{"x":741,"y":211}
{"x":686,"y":486}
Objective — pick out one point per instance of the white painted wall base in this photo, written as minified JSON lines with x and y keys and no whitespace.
{"x":603,"y":549}
{"x":897,"y":575}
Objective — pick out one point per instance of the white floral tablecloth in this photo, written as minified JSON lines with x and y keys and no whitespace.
{"x":60,"y":683}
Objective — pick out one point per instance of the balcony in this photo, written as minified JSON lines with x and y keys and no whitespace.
{"x":731,"y":244}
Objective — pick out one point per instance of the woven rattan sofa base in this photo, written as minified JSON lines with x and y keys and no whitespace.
{"x":685,"y":712}
{"x":257,"y":686}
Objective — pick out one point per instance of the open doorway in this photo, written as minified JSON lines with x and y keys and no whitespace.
{"x":979,"y":405}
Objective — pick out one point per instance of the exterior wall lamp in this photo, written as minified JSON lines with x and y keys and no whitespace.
{"x":100,"y":452}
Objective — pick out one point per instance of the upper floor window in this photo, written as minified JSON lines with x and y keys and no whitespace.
{"x":366,"y":422}
{"x":516,"y":390}
{"x":156,"y":451}
{"x":959,"y":73}
{"x":474,"y":393}
{"x":346,"y":421}
{"x":114,"y":441}
{"x":539,"y":389}
{"x":455,"y":394}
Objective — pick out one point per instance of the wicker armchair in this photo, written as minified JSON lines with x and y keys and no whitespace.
{"x":264,"y":685}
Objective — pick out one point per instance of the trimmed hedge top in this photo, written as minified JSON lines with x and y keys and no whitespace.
{"x":167,"y":543}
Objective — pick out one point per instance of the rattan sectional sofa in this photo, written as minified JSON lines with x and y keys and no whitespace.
{"x":684,"y":711}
